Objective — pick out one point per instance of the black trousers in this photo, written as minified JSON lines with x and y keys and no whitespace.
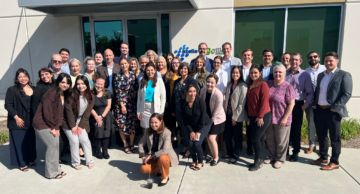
{"x":170,"y":122}
{"x":63,"y":143}
{"x":195,"y":147}
{"x":248,"y":136}
{"x":258,"y":135}
{"x":230,"y":132}
{"x":103,"y":142}
{"x":295,"y":131}
{"x":326,"y":120}
{"x":185,"y":133}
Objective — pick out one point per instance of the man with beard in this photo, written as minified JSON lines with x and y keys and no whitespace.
{"x":268,"y":68}
{"x":314,"y":70}
{"x":203,"y":49}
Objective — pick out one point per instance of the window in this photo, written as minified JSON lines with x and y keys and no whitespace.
{"x":165,"y":31}
{"x":87,"y":36}
{"x":308,"y":29}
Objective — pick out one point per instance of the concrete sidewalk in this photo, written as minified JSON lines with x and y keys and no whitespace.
{"x":121,"y":174}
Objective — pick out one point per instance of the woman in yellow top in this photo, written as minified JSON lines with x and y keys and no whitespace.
{"x":170,"y":77}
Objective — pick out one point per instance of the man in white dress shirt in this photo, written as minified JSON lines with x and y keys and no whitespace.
{"x":247,"y":57}
{"x":228,"y":60}
{"x":314,"y":70}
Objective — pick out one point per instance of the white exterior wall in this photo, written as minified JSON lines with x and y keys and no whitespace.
{"x":350,"y":51}
{"x":30,"y":39}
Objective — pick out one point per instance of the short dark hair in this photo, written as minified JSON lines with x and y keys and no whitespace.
{"x":213,"y":76}
{"x":332,"y":54}
{"x":268,"y":50}
{"x":219,"y":57}
{"x":124,"y":43}
{"x":170,"y":54}
{"x":259,"y":68}
{"x":286,"y":53}
{"x":312,"y":53}
{"x":64,"y":49}
{"x":295,"y":54}
{"x":202,"y":44}
{"x":226,"y":43}
{"x":246,"y":50}
{"x":45,"y":69}
{"x":99,"y":53}
{"x":182,"y":65}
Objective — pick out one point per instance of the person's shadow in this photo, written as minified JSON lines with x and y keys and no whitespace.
{"x":132,"y":169}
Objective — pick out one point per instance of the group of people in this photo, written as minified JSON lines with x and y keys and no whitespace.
{"x":164,"y":96}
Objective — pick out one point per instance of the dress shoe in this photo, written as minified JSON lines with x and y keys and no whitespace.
{"x":62,"y":161}
{"x":330,"y":166}
{"x":98,"y":154}
{"x":293,"y":158}
{"x":319,"y":161}
{"x":105,"y":153}
{"x":277,"y":165}
{"x":163,"y":182}
{"x":310,"y":150}
{"x":257,"y":165}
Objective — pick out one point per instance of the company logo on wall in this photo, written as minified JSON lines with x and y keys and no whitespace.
{"x":184,"y":51}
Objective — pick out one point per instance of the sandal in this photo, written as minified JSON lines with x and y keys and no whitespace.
{"x":132,"y":149}
{"x":25,"y":169}
{"x":78,"y":167}
{"x":192,"y":166}
{"x":62,"y":173}
{"x":197,"y":168}
{"x":128,"y":151}
{"x":32,"y":165}
{"x":59,"y":176}
{"x":91,"y":166}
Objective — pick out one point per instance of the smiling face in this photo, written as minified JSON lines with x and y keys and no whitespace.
{"x":295,"y":62}
{"x":90,"y":65}
{"x":143,"y":62}
{"x":202,"y":50}
{"x":23,"y":79}
{"x":56,"y":62}
{"x":124,"y":48}
{"x":75,"y":68}
{"x":184,"y":71}
{"x":64,"y":85}
{"x":150,"y":72}
{"x":313,"y":59}
{"x":80,"y":85}
{"x":199,"y":64}
{"x":65,"y":56}
{"x":109,"y":56}
{"x":191,"y":94}
{"x":217,"y":64}
{"x":175,"y":65}
{"x":155,"y":123}
{"x":267,"y":57}
{"x":210,"y":83}
{"x":279,"y":74}
{"x":247,"y":57}
{"x":151,"y":56}
{"x":98,"y":59}
{"x":330,"y":63}
{"x":133,"y":66}
{"x":160,"y":64}
{"x":235,"y":74}
{"x":254,"y":74}
{"x":124,"y":66}
{"x":169,"y":59}
{"x":285,"y":59}
{"x":99,"y":85}
{"x":46,"y":77}
{"x":226,"y":49}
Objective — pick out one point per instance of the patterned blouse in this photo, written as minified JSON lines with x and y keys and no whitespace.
{"x":278,"y":97}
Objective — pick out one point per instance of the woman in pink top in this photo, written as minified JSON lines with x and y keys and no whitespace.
{"x":214,"y":108}
{"x":281,"y":101}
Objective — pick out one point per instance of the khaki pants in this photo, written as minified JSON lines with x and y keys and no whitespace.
{"x":277,"y":140}
{"x":153,"y":166}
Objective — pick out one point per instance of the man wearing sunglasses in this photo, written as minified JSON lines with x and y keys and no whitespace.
{"x":314,"y":70}
{"x":55,"y":65}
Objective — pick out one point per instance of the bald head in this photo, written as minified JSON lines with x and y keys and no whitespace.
{"x":56,"y":62}
{"x":109,"y":57}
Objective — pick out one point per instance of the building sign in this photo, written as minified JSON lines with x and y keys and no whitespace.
{"x":184,"y":51}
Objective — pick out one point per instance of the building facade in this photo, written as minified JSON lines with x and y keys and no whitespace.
{"x":34,"y":30}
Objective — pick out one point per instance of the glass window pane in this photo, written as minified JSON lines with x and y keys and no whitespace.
{"x":258,"y":30}
{"x":108,"y":34}
{"x":313,"y":29}
{"x":142,"y":36}
{"x":86,"y":35}
{"x":165,"y":34}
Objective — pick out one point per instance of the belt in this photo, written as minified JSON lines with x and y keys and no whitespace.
{"x":324,"y":107}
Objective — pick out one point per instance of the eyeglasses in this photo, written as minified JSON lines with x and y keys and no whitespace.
{"x":310,"y":57}
{"x":54,"y":61}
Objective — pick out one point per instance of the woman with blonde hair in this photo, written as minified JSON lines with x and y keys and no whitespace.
{"x":75,"y":67}
{"x":134,"y":66}
{"x":153,"y":57}
{"x":199,"y":73}
{"x":161,"y":67}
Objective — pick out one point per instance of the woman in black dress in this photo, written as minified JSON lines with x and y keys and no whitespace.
{"x":22,"y":134}
{"x":102,"y":119}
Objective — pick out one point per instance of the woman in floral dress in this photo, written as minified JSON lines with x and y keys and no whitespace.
{"x":126,"y":87}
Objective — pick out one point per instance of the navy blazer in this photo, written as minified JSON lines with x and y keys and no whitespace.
{"x":189,"y":80}
{"x":209,"y":65}
{"x":15,"y":105}
{"x":338,"y":92}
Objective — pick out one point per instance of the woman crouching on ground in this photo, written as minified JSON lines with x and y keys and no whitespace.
{"x":161,"y":153}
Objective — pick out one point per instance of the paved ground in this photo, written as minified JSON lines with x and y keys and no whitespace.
{"x":121,"y":174}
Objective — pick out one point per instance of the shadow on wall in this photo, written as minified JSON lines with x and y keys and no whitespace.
{"x":47,"y":35}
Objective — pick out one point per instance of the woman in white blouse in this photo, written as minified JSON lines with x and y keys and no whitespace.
{"x":222,"y":75}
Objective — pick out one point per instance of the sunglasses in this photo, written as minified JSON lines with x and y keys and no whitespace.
{"x":54,"y":61}
{"x":310,"y":57}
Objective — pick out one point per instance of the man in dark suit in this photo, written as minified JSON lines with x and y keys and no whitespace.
{"x":124,"y":52}
{"x":203,"y":49}
{"x":333,"y":91}
{"x":268,"y":68}
{"x":108,"y":71}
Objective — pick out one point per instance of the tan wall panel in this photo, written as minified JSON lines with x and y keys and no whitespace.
{"x":262,"y":3}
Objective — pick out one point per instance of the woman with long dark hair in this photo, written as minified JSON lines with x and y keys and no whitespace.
{"x":161,"y":154}
{"x":102,"y":119}
{"x":46,"y":81}
{"x":126,"y":87}
{"x":169,"y":58}
{"x":151,"y":96}
{"x":235,"y":101}
{"x":19,"y":121}
{"x":258,"y":109}
{"x":49,"y":118}
{"x":76,"y":121}
{"x":176,"y":99}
